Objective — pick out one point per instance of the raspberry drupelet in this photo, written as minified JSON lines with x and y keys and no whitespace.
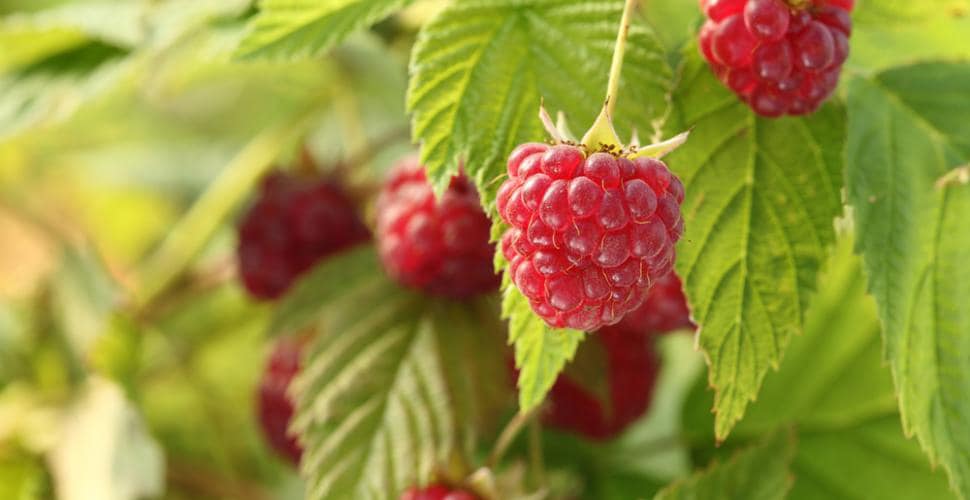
{"x":779,"y":56}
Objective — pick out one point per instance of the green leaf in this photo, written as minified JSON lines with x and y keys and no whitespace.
{"x":52,"y":89}
{"x":394,"y":387}
{"x":308,"y":28}
{"x":347,"y":278}
{"x":22,"y":479}
{"x":835,"y":389}
{"x":541,"y":352}
{"x":890,"y":33}
{"x":761,"y":198}
{"x":761,"y":472}
{"x":907,"y":131}
{"x":480,"y":69}
{"x":27,"y":38}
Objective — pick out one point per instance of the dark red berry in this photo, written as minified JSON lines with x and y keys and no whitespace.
{"x":665,"y":309}
{"x":294,"y":223}
{"x":631,"y":371}
{"x":439,"y":246}
{"x":778,"y":59}
{"x":437,"y":492}
{"x":602,"y":232}
{"x":275,"y":406}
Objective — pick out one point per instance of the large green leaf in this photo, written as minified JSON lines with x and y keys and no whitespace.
{"x":835,"y":390}
{"x":907,"y":131}
{"x":395,"y":385}
{"x":346,"y":278}
{"x":761,"y":199}
{"x":761,"y":472}
{"x":480,"y":69}
{"x":540,"y":352}
{"x":307,"y":28}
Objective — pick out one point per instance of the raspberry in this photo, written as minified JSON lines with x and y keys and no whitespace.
{"x":439,"y":246}
{"x":275,"y":406}
{"x":777,"y":58}
{"x":437,"y":492}
{"x":589,"y":234}
{"x":632,"y":368}
{"x":665,"y":309}
{"x":294,"y":224}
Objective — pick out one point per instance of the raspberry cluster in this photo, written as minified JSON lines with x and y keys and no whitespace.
{"x":665,"y":309}
{"x":439,"y":246}
{"x":589,"y":235}
{"x":275,"y":406}
{"x":294,"y":223}
{"x":632,"y":368}
{"x":779,"y":56}
{"x":437,"y":492}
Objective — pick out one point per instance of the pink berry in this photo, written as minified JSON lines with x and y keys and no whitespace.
{"x":275,"y":407}
{"x":776,"y":58}
{"x":294,"y":224}
{"x":440,"y":246}
{"x":603,"y":231}
{"x":632,"y":368}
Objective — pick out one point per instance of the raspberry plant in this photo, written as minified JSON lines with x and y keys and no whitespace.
{"x":748,"y":275}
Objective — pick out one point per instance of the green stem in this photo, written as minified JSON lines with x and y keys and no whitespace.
{"x":194,"y":230}
{"x":507,"y":436}
{"x":536,"y":464}
{"x":618,"y":52}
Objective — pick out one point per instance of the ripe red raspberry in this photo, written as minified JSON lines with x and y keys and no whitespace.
{"x":294,"y":223}
{"x":275,"y":406}
{"x":439,"y":246}
{"x":777,"y":58}
{"x":632,"y":369}
{"x":589,"y":235}
{"x":437,"y":492}
{"x":665,"y":309}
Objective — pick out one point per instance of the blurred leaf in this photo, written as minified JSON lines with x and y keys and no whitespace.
{"x":834,"y":388}
{"x":890,"y":33}
{"x":676,"y":21}
{"x":52,"y":89}
{"x":308,"y":28}
{"x":761,"y":472}
{"x":480,"y":69}
{"x":27,"y":38}
{"x":22,"y":478}
{"x":762,"y":195}
{"x":104,"y":450}
{"x":907,"y":132}
{"x":84,"y":296}
{"x":541,"y":352}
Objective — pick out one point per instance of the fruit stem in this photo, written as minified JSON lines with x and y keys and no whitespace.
{"x":508,"y":435}
{"x":536,"y":465}
{"x":619,"y":50}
